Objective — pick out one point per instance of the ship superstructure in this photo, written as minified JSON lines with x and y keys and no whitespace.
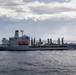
{"x":24,"y":43}
{"x":16,"y":41}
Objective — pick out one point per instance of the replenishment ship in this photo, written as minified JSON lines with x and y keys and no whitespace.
{"x":26,"y":43}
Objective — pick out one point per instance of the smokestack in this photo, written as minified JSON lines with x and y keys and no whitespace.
{"x":16,"y":34}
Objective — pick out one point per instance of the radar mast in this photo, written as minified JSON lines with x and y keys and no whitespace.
{"x":22,"y":32}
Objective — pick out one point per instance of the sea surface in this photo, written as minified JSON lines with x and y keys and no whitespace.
{"x":38,"y":62}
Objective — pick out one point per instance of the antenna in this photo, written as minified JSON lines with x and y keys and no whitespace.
{"x":22,"y":32}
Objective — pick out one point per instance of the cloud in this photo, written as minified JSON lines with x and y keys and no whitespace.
{"x":20,"y":10}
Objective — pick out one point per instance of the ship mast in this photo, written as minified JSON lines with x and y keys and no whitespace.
{"x":22,"y":32}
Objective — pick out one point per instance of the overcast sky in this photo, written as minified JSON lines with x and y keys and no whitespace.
{"x":38,"y":18}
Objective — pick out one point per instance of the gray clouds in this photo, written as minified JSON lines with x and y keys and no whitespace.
{"x":37,"y":10}
{"x":38,"y":18}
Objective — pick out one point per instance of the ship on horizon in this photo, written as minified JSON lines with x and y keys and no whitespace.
{"x":26,"y":43}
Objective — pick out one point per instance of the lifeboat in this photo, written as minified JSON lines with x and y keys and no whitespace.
{"x":26,"y":43}
{"x":23,"y":43}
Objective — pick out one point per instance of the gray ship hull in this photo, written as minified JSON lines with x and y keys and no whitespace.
{"x":31,"y":49}
{"x":50,"y":48}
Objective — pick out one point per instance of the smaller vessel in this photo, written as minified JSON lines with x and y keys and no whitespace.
{"x":24,"y":43}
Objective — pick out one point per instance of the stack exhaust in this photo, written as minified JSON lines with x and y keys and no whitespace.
{"x":16,"y":34}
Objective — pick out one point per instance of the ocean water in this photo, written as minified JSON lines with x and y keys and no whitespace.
{"x":38,"y":62}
